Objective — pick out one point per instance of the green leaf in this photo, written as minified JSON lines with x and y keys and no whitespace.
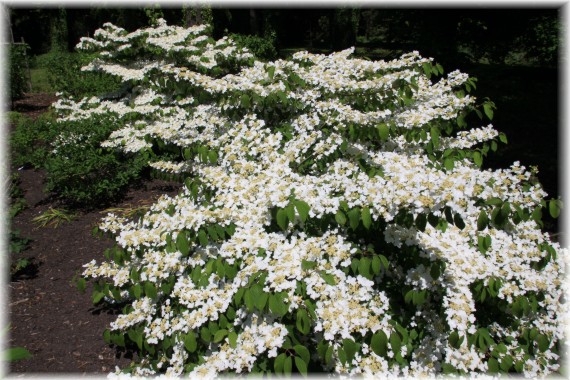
{"x":350,"y":349}
{"x":488,"y":109}
{"x":426,"y":66}
{"x":501,"y":348}
{"x":543,"y":342}
{"x":383,"y":131}
{"x":150,"y":290}
{"x":303,"y":352}
{"x":16,"y":353}
{"x":232,"y":338}
{"x":308,"y":265}
{"x":364,"y":267}
{"x":329,"y":355}
{"x":205,"y":334}
{"x":448,"y":368}
{"x":261,"y":300}
{"x":302,"y":209}
{"x":212,"y":233}
{"x":341,"y":356}
{"x":97,"y":297}
{"x":482,"y":221}
{"x":119,"y":340}
{"x":277,"y":304}
{"x":454,"y":339}
{"x":107,"y":336}
{"x":202,"y":237}
{"x":81,"y":284}
{"x":340,"y":218}
{"x":439,"y":68}
{"x":408,"y":298}
{"x":245,"y":101}
{"x":494,"y":201}
{"x":303,"y":323}
{"x":554,"y":207}
{"x":329,"y":278}
{"x":282,"y":219}
{"x":213,"y":156}
{"x":278,"y":364}
{"x":248,"y":299}
{"x":506,"y":363}
{"x":376,"y":265}
{"x":449,"y":163}
{"x":458,"y":221}
{"x":189,"y":341}
{"x":220,"y":335}
{"x":435,"y":133}
{"x":322,"y":347}
{"x":290,"y":210}
{"x":354,"y":217}
{"x":182,"y":243}
{"x":270,"y":71}
{"x":493,"y":365}
{"x":395,"y":342}
{"x":421,"y":222}
{"x":503,"y":138}
{"x":478,"y":158}
{"x":137,"y":291}
{"x":384,"y":261}
{"x":288,"y":365}
{"x":435,"y":271}
{"x":379,"y":343}
{"x":366,"y":217}
{"x":301,"y":365}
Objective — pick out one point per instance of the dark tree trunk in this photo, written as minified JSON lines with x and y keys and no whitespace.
{"x":253,"y":27}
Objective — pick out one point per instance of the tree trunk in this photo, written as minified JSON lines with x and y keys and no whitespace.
{"x":253,"y":28}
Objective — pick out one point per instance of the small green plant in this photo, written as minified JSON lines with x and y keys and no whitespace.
{"x":263,"y":48}
{"x":64,"y":75}
{"x":17,"y":243}
{"x":79,"y":170}
{"x":53,"y":217}
{"x":14,"y":353}
{"x":83,"y":173}
{"x":29,"y":143}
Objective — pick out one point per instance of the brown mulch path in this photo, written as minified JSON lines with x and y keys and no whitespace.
{"x":48,"y":315}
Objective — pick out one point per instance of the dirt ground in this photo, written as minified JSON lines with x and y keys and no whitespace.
{"x":48,"y":315}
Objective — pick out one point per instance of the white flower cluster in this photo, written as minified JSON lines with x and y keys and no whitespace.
{"x":318,"y":153}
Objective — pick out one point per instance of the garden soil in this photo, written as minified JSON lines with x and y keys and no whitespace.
{"x":47,"y":314}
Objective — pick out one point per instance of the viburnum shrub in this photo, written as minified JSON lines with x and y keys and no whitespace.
{"x":335,"y":217}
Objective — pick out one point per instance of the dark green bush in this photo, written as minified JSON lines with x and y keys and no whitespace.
{"x":65,"y":75}
{"x":263,"y":48}
{"x":83,"y":173}
{"x":18,"y":64}
{"x":17,"y":243}
{"x":29,"y":141}
{"x":78,"y":170}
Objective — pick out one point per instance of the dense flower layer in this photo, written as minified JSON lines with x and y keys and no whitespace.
{"x":330,"y":206}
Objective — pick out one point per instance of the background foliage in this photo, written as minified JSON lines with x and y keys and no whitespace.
{"x":19,"y":83}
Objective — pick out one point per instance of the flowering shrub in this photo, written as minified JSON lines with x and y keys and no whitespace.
{"x":335,"y":217}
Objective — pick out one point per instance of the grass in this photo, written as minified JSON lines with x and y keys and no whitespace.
{"x":40,"y":81}
{"x":130,"y":211}
{"x":53,"y":217}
